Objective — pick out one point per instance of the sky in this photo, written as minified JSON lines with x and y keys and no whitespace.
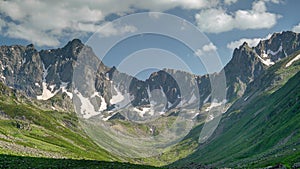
{"x":226,"y":24}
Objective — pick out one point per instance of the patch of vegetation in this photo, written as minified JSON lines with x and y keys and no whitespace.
{"x":12,"y":162}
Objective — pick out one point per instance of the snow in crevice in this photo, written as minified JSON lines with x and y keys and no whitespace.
{"x":63,"y":87}
{"x":107,"y":76}
{"x":293,"y":60}
{"x":206,"y":99}
{"x":148,"y":91}
{"x":45,"y":72}
{"x":267,"y":62}
{"x":276,"y":52}
{"x":24,"y":60}
{"x":46,"y":94}
{"x":246,"y":98}
{"x":264,"y":55}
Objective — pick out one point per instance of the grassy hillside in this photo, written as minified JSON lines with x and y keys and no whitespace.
{"x":19,"y":162}
{"x":26,"y":129}
{"x":263,"y":132}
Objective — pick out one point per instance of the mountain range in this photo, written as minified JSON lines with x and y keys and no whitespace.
{"x":259,"y":125}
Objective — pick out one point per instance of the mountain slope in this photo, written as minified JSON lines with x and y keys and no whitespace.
{"x":263,"y":130}
{"x":29,"y":129}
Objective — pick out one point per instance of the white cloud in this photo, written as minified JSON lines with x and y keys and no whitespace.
{"x":109,"y":29}
{"x":218,"y":20}
{"x":214,"y":21}
{"x":2,"y":24}
{"x":208,"y":48}
{"x":162,"y":5}
{"x":251,"y":42}
{"x":296,"y":28}
{"x":54,"y":19}
{"x":40,"y":38}
{"x":229,"y":2}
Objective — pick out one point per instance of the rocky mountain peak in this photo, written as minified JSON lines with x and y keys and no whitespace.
{"x":277,"y":47}
{"x":73,"y":46}
{"x":30,"y":46}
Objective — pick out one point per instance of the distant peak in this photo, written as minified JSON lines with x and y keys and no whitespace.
{"x":74,"y":43}
{"x":30,"y":46}
{"x":245,"y":44}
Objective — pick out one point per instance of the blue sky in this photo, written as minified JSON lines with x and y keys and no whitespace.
{"x":226,"y":23}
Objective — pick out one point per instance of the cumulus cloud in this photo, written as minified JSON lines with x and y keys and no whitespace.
{"x":251,"y":42}
{"x":110,"y":29}
{"x":296,"y":28}
{"x":217,"y":20}
{"x":46,"y":22}
{"x":208,"y":48}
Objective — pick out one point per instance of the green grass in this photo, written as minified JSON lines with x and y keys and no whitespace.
{"x":265,"y":132}
{"x":12,"y":162}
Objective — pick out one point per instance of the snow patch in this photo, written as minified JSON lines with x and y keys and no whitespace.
{"x":103,"y":104}
{"x":47,"y":94}
{"x":195,"y":115}
{"x":267,"y":62}
{"x":24,"y":60}
{"x":293,"y":60}
{"x":116,"y":98}
{"x":52,"y":87}
{"x":215,"y":104}
{"x":87,"y":108}
{"x":143,"y":111}
{"x":108,"y":117}
{"x":37,"y":85}
{"x":264,"y":55}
